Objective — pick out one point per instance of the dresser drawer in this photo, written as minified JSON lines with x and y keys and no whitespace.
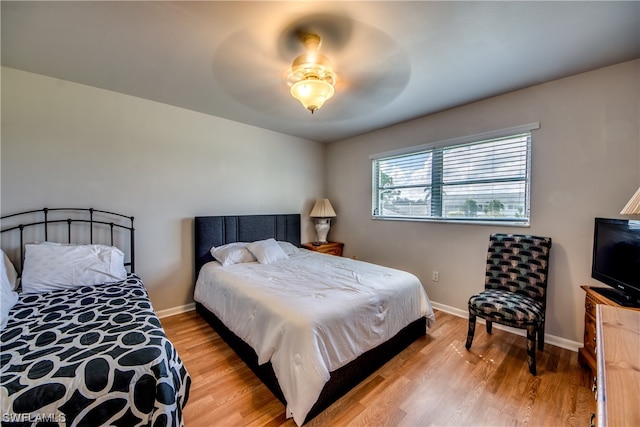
{"x":330,"y":248}
{"x":590,"y":334}
{"x":334,"y":251}
{"x":590,"y":302}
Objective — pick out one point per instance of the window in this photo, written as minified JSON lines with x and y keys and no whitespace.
{"x":482,"y":178}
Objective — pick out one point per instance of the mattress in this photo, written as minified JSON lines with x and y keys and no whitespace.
{"x":311,"y":314}
{"x":94,"y":355}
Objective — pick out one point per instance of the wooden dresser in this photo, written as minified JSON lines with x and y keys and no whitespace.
{"x":618,"y":366}
{"x":587,"y":354}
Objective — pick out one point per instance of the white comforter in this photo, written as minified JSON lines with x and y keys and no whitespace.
{"x":311,"y":314}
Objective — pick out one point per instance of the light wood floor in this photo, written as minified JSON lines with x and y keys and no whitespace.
{"x":434,"y":382}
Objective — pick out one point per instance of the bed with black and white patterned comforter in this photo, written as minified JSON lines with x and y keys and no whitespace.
{"x":90,"y":356}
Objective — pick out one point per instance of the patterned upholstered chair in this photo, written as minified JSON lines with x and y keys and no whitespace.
{"x":515,"y":289}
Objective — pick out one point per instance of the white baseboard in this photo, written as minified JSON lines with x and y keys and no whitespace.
{"x":176,"y":310}
{"x":548,"y":339}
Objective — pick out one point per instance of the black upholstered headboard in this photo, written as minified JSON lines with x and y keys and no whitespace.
{"x":219,"y":230}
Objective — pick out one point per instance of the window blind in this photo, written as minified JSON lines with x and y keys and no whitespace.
{"x":477,"y":180}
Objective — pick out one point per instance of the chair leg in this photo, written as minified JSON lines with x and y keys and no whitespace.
{"x":531,"y":348}
{"x":489,"y":326}
{"x":472,"y":330}
{"x":541,"y":337}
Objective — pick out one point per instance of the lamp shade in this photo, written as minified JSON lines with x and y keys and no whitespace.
{"x":322,"y":209}
{"x":633,"y":206}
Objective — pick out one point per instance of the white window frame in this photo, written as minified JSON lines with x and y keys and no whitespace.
{"x":437,"y":183}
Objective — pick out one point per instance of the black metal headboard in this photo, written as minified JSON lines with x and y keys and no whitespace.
{"x":48,"y":223}
{"x":219,"y":230}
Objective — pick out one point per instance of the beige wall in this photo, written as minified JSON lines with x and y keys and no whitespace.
{"x":69,"y":144}
{"x":65,"y":144}
{"x":585,"y":163}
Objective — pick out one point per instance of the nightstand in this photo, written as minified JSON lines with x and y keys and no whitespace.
{"x":331,"y":248}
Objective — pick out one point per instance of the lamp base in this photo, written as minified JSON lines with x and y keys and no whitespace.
{"x":322,"y":229}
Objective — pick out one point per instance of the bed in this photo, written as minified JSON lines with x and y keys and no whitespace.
{"x":82,"y":345}
{"x":310,"y":325}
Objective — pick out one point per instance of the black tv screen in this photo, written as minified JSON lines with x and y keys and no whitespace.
{"x":616,"y":258}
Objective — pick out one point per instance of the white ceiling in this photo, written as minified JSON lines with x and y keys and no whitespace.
{"x":395,"y":60}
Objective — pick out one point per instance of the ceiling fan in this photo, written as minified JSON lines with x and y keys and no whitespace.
{"x":351,"y":66}
{"x":311,"y":76}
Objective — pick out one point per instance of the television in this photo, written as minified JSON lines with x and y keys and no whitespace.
{"x":616,"y":259}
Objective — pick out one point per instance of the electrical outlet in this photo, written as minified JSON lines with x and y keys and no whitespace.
{"x":435,"y":276}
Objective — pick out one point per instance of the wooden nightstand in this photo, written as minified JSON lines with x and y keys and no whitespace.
{"x":331,"y":248}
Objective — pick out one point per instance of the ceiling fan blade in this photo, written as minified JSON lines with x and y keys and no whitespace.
{"x":375,"y":84}
{"x":246,"y":67}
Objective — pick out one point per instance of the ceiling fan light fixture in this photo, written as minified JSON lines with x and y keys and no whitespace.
{"x":311,"y":76}
{"x":312,"y":93}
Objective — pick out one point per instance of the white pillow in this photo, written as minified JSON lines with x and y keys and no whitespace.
{"x":9,"y":271}
{"x":8,"y":297}
{"x":288,"y":248}
{"x":232,"y":253}
{"x":267,"y":251}
{"x":54,"y":266}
